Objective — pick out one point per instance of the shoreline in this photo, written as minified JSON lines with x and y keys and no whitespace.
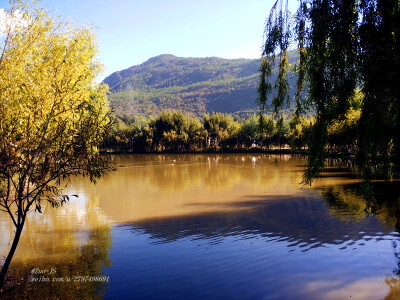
{"x":233,"y":151}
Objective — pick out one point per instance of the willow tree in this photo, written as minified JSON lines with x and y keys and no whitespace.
{"x":343,"y":45}
{"x":52,"y":113}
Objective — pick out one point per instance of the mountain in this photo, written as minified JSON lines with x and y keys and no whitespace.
{"x":195,"y":85}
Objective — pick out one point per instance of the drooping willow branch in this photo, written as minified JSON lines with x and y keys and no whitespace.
{"x":343,"y":46}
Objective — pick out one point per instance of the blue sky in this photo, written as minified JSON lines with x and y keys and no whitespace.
{"x":132,"y":31}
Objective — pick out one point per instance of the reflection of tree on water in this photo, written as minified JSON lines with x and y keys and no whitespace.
{"x":348,"y":200}
{"x":396,"y":253}
{"x":344,"y":202}
{"x":386,"y":205}
{"x":394,"y":286}
{"x":75,"y":241}
{"x":89,"y":260}
{"x":165,"y":185}
{"x":393,"y":282}
{"x":176,"y":173}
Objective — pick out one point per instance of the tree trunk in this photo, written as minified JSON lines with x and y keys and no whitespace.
{"x":10,"y":255}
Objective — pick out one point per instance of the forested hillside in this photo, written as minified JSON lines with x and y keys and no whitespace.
{"x":193,"y":85}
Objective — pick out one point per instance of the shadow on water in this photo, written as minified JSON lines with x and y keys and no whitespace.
{"x":297,"y":220}
{"x":343,"y":221}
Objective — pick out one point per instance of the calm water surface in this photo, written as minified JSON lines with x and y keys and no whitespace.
{"x":232,"y":226}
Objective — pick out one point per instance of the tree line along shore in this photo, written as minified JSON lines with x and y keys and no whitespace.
{"x":177,"y":131}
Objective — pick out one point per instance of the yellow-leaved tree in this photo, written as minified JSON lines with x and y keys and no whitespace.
{"x":52,"y":112}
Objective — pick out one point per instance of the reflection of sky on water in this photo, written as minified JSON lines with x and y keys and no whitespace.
{"x":242,"y":269}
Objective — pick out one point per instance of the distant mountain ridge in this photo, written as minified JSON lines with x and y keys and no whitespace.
{"x":195,"y":85}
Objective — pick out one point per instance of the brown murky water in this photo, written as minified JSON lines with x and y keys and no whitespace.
{"x":231,"y":226}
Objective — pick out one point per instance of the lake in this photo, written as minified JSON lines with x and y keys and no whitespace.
{"x":212,"y":226}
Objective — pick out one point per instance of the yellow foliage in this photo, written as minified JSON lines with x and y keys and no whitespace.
{"x":47,"y":72}
{"x":52,"y":112}
{"x":350,"y":121}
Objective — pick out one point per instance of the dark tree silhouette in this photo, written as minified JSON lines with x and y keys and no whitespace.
{"x":343,"y":45}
